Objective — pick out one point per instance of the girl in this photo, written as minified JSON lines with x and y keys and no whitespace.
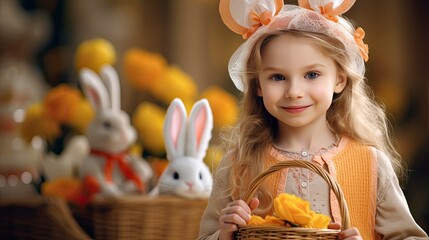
{"x":302,"y":74}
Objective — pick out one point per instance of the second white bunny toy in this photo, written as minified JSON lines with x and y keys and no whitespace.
{"x":186,"y":142}
{"x":110,"y":169}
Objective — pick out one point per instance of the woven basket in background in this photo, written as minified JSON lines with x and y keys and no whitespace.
{"x":38,"y":218}
{"x":142,"y":217}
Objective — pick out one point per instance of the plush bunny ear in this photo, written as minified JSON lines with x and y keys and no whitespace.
{"x":174,"y":129}
{"x":327,"y":7}
{"x":94,"y":89}
{"x":110,"y":77}
{"x":199,"y":129}
{"x":244,"y":17}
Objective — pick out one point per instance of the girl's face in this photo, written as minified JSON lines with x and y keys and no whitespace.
{"x":297,"y":82}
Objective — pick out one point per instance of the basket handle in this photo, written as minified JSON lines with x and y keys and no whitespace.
{"x":59,"y":212}
{"x":345,"y":218}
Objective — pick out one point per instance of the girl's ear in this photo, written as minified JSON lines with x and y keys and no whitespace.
{"x":258,"y":89}
{"x":341,"y":83}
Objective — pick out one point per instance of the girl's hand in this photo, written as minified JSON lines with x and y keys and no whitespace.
{"x":348,"y":234}
{"x":234,"y":214}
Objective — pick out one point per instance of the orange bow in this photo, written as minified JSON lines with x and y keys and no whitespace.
{"x":327,"y":10}
{"x":126,"y":169}
{"x":258,"y":20}
{"x":363,"y":48}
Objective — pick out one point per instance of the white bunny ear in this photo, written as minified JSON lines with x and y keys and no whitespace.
{"x":111,"y":79}
{"x":175,"y":129}
{"x":199,"y":129}
{"x":94,"y":89}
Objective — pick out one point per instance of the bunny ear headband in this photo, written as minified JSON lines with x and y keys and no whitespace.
{"x":253,"y":18}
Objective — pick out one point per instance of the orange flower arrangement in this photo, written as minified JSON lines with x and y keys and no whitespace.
{"x":64,"y":109}
{"x":150,"y":73}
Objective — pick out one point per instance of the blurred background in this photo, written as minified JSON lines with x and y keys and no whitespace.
{"x":39,"y":40}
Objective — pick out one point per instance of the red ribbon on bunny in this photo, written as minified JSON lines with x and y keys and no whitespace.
{"x":126,"y":169}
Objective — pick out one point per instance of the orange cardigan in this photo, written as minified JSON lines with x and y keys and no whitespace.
{"x":354,"y":166}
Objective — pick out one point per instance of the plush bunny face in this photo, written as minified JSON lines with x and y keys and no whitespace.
{"x":186,"y":142}
{"x":187,"y":177}
{"x":111,"y":132}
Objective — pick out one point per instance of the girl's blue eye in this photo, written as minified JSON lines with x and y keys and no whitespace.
{"x":278,"y":77}
{"x":311,"y":75}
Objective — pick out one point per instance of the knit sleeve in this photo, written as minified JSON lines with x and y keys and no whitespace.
{"x":209,"y":226}
{"x":393,"y":218}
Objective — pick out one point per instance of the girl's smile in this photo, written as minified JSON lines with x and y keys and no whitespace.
{"x":296,"y":109}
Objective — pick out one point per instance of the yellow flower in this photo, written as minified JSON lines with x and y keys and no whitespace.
{"x":143,"y":69}
{"x":256,"y":220}
{"x":268,"y":221}
{"x":296,"y":210}
{"x":273,"y":221}
{"x":223,"y":104}
{"x":82,"y":117}
{"x":292,"y":208}
{"x":318,"y":220}
{"x":95,"y":53}
{"x":136,"y":149}
{"x":175,"y":83}
{"x":148,"y":120}
{"x":213,"y":157}
{"x":61,"y":103}
{"x":37,"y":124}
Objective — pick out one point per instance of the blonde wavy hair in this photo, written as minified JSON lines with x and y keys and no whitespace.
{"x":354,"y":113}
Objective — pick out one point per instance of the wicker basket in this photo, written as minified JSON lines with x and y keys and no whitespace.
{"x":142,"y":217}
{"x":273,"y":232}
{"x":38,"y":218}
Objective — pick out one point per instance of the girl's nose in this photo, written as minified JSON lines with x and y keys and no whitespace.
{"x":294,"y":89}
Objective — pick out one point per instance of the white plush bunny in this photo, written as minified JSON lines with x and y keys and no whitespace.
{"x":186,"y":143}
{"x":65,"y":165}
{"x":109,"y":166}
